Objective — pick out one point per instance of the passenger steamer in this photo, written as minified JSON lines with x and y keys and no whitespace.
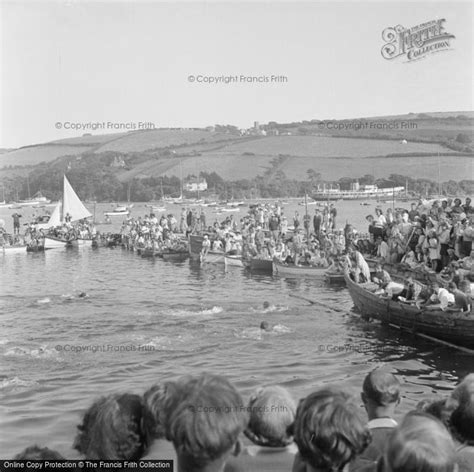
{"x":358,"y":192}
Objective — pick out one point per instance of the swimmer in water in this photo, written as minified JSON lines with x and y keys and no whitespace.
{"x":83,"y":295}
{"x":264,"y":326}
{"x":266,"y":305}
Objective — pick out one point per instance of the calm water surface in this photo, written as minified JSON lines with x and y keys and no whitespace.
{"x":149,"y":321}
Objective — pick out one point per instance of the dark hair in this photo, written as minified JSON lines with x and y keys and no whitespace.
{"x":113,"y":428}
{"x":462,"y":419}
{"x":158,"y":401}
{"x":419,"y":444}
{"x":38,"y":453}
{"x":381,"y":387}
{"x":328,"y":430}
{"x":206,"y":421}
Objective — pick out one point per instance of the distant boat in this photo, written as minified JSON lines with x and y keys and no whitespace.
{"x":36,"y":200}
{"x":362,"y":192}
{"x":156,"y":208}
{"x":118,"y":211}
{"x":71,"y":207}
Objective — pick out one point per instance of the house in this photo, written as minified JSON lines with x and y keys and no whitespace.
{"x":196,"y":186}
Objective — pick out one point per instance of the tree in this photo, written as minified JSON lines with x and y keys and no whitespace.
{"x":463,"y":138}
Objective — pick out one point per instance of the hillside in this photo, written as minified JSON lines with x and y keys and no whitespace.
{"x":334,"y":149}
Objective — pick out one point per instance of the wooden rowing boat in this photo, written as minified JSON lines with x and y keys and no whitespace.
{"x":174,"y":256}
{"x":291,"y":270}
{"x":454,"y":327}
{"x":260,"y":265}
{"x":233,"y":260}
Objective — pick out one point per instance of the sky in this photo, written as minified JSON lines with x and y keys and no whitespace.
{"x":130,"y":62}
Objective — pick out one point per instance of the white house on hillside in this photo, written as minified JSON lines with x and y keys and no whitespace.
{"x":196,"y":186}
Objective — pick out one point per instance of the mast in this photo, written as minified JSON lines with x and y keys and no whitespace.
{"x":439,"y":176}
{"x":306,"y":215}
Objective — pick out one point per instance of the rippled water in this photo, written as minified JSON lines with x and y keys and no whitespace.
{"x":145,"y":321}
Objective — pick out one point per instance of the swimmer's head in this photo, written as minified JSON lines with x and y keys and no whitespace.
{"x":266,"y":305}
{"x":83,"y":295}
{"x":264,"y":325}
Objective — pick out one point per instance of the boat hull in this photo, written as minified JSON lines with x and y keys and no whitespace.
{"x":175,"y":256}
{"x":453,"y":327}
{"x":117,"y":213}
{"x":235,"y":261}
{"x":298,"y":271}
{"x":13,"y":250}
{"x":261,"y":265}
{"x":85,"y":242}
{"x":57,"y":243}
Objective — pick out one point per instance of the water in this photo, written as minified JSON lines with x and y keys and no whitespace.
{"x":147,"y":321}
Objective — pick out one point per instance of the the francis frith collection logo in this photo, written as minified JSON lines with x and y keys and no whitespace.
{"x":416,"y":42}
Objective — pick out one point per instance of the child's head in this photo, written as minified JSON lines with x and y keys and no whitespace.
{"x":419,"y":444}
{"x":206,"y":421}
{"x":38,"y":453}
{"x":328,"y":430}
{"x":158,"y":402}
{"x":462,"y":418}
{"x":380,"y":389}
{"x":114,"y":428}
{"x":272,"y":411}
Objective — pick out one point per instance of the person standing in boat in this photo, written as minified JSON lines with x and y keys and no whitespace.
{"x":206,"y":246}
{"x":333,"y":214}
{"x":16,"y":223}
{"x":296,"y":221}
{"x":317,"y":220}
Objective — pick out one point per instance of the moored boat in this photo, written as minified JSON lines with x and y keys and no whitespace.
{"x":13,"y":249}
{"x":233,"y":260}
{"x":291,"y":270}
{"x":260,"y":265}
{"x":213,"y":257}
{"x":173,"y":255}
{"x":454,"y":327}
{"x":118,"y":211}
{"x":70,"y":209}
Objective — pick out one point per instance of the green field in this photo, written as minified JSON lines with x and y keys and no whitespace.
{"x":156,"y":139}
{"x":33,"y":155}
{"x":324,"y":146}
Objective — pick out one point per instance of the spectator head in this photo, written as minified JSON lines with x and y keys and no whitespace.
{"x":38,"y":453}
{"x":206,"y":422}
{"x":328,"y":430}
{"x":272,"y":411}
{"x":380,"y":393}
{"x":158,"y":402}
{"x":462,"y":418}
{"x":114,"y":428}
{"x":419,"y":444}
{"x":452,"y":287}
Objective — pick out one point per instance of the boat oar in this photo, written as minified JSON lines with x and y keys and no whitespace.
{"x":315,"y":302}
{"x":436,"y":340}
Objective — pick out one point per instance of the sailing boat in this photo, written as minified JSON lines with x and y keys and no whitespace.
{"x":71,"y":208}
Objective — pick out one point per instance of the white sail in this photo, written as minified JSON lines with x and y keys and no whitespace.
{"x":72,"y":204}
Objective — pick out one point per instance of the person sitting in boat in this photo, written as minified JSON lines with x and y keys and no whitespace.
{"x":217,"y":245}
{"x":361,"y":268}
{"x":467,"y":263}
{"x":382,"y":249}
{"x":461,"y":301}
{"x":408,"y":294}
{"x":320,"y":260}
{"x":381,"y":277}
{"x":441,"y":298}
{"x":206,"y":246}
